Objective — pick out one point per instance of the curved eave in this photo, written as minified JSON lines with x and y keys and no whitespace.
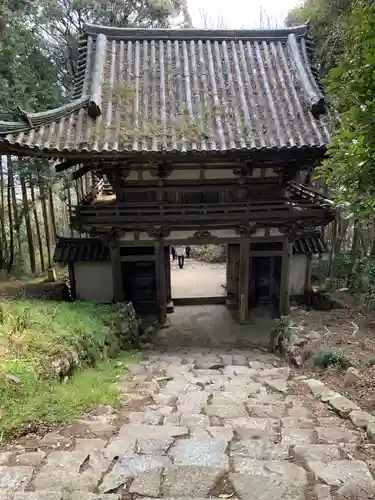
{"x":10,"y":147}
{"x":192,"y":34}
{"x":31,"y":121}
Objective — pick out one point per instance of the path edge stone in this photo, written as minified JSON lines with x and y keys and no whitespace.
{"x":360,"y":418}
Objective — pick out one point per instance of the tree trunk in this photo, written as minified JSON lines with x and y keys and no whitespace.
{"x":372,"y":251}
{"x":43,"y":196}
{"x":37,"y":227}
{"x":82,"y":188}
{"x":10,"y":262}
{"x":4,"y":240}
{"x":77,"y":191}
{"x":29,"y":232}
{"x":343,"y":225}
{"x":355,"y":252}
{"x":17,"y":219}
{"x":52,"y":215}
{"x":332,"y":250}
{"x":87,"y":184}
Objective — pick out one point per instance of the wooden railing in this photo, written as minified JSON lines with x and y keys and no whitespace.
{"x":102,"y":212}
{"x":306,"y":193}
{"x":95,"y":191}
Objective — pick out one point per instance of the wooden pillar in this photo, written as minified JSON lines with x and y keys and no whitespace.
{"x":284,"y":300}
{"x":243,"y":282}
{"x":118,"y":285}
{"x":161,"y":282}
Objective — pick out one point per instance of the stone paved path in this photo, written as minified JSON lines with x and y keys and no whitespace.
{"x":197,"y":424}
{"x":198,"y":279}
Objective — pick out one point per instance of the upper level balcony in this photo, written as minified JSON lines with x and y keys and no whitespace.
{"x":299,"y":203}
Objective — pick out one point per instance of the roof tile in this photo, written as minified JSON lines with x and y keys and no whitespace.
{"x":185,"y":90}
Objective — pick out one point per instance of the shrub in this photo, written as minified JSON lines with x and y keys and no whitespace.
{"x":209,"y":253}
{"x":45,"y":342}
{"x":324,"y":358}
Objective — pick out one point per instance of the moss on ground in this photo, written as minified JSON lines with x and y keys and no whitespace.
{"x":59,"y":359}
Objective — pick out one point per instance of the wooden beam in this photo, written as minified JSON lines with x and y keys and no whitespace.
{"x":65,"y":165}
{"x":199,"y":185}
{"x":82,"y":171}
{"x":265,"y":253}
{"x":161,"y":282}
{"x":118,"y":285}
{"x":284,"y":299}
{"x":243,"y":282}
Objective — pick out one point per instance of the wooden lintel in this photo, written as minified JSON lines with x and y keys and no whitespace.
{"x":137,"y":258}
{"x":65,"y":165}
{"x":284,"y":299}
{"x":161,"y":282}
{"x":199,"y":185}
{"x":118,"y":286}
{"x":243,"y":283}
{"x":264,"y":253}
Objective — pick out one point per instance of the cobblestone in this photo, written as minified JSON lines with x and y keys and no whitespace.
{"x":225,"y":419}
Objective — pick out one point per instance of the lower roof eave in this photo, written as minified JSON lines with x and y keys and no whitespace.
{"x":81,"y":155}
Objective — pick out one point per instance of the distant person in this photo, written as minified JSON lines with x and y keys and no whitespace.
{"x":173,"y":252}
{"x":180,"y":251}
{"x":188,"y":250}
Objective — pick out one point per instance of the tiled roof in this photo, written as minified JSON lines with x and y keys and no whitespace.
{"x":183,"y":90}
{"x":93,"y":249}
{"x":310,"y":244}
{"x":80,"y":250}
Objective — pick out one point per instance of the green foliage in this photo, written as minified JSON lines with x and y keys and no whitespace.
{"x":64,"y":22}
{"x":39,"y":401}
{"x":43,"y":332}
{"x":328,"y":27}
{"x":350,"y":167}
{"x":28,"y":74}
{"x":360,"y":276}
{"x":39,"y":43}
{"x":209,"y":253}
{"x":43,"y":342}
{"x":324,"y":358}
{"x":342,"y":268}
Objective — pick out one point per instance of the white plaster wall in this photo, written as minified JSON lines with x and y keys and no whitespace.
{"x":297,"y":274}
{"x":222,"y":173}
{"x":93,"y":281}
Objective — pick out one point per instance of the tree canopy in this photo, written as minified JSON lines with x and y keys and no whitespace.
{"x":38,"y":41}
{"x":345,"y":54}
{"x":328,"y":19}
{"x":350,"y":166}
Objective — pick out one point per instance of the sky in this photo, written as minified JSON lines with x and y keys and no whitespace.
{"x":239,"y":14}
